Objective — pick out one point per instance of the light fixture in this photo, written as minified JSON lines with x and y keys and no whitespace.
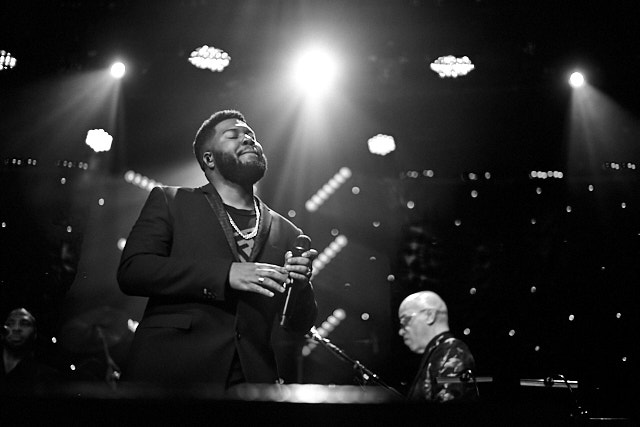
{"x":6,"y":60}
{"x":450,"y":66}
{"x":315,"y":70}
{"x":141,"y":181}
{"x":381,"y":144}
{"x":118,"y":70}
{"x":328,"y":189}
{"x":210,"y":58}
{"x":576,"y":79}
{"x":99,"y":140}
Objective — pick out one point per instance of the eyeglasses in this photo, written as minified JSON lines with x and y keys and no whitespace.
{"x":405,"y":320}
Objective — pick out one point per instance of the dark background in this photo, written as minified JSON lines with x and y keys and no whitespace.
{"x":525,"y":255}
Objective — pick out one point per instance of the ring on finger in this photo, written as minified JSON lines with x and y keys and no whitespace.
{"x":261,"y":280}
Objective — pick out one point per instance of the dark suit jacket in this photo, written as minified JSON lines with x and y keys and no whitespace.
{"x":179,"y":254}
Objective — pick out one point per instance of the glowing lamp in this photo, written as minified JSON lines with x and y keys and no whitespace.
{"x":450,"y":66}
{"x":99,"y":140}
{"x":118,"y":70}
{"x":381,"y":144}
{"x":6,"y":60}
{"x":315,"y":70}
{"x":210,"y":58}
{"x":576,"y":80}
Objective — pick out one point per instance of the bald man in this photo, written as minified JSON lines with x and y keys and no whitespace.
{"x":424,"y":327}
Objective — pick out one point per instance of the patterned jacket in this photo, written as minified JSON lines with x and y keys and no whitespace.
{"x":445,"y":357}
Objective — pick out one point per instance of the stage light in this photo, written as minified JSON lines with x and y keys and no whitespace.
{"x":6,"y":60}
{"x":328,"y":189}
{"x":141,"y":181}
{"x":546,"y":174}
{"x":118,"y":70}
{"x":450,"y":66}
{"x":327,"y":255}
{"x":71,"y":164}
{"x":381,"y":144}
{"x":619,"y":166}
{"x":325,"y":329}
{"x":210,"y":58}
{"x":314,"y":71}
{"x":18,"y":162}
{"x":99,"y":140}
{"x":576,"y":79}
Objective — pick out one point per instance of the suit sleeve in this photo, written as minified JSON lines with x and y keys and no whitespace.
{"x":148,"y":269}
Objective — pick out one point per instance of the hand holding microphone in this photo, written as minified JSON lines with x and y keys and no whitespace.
{"x":299,"y":266}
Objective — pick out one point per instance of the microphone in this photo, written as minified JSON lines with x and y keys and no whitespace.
{"x":301,"y":245}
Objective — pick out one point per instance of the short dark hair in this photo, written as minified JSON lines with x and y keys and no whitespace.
{"x":207,"y":130}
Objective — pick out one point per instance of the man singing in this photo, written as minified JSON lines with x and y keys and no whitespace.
{"x":215,"y":262}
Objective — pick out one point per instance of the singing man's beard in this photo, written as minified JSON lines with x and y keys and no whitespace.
{"x":240,"y":173}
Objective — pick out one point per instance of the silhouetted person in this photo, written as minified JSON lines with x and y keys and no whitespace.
{"x":20,"y":371}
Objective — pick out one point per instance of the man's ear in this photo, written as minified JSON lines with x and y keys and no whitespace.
{"x":207,"y":158}
{"x":431,"y":316}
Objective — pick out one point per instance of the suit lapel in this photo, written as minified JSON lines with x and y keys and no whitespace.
{"x":263,"y":230}
{"x":215,"y":201}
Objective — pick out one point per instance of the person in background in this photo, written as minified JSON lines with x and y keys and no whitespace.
{"x":20,"y":371}
{"x":424,"y":327}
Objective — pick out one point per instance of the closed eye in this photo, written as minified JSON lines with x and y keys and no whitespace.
{"x":233,"y":134}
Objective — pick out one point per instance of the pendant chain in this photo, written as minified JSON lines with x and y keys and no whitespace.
{"x":254,"y":232}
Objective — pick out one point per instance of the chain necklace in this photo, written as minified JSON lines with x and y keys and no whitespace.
{"x":255,"y":228}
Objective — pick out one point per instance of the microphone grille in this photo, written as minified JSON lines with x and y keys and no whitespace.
{"x":303,"y":242}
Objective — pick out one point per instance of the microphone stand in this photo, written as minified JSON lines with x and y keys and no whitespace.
{"x":578,"y":411}
{"x":364,"y":372}
{"x":113,"y":371}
